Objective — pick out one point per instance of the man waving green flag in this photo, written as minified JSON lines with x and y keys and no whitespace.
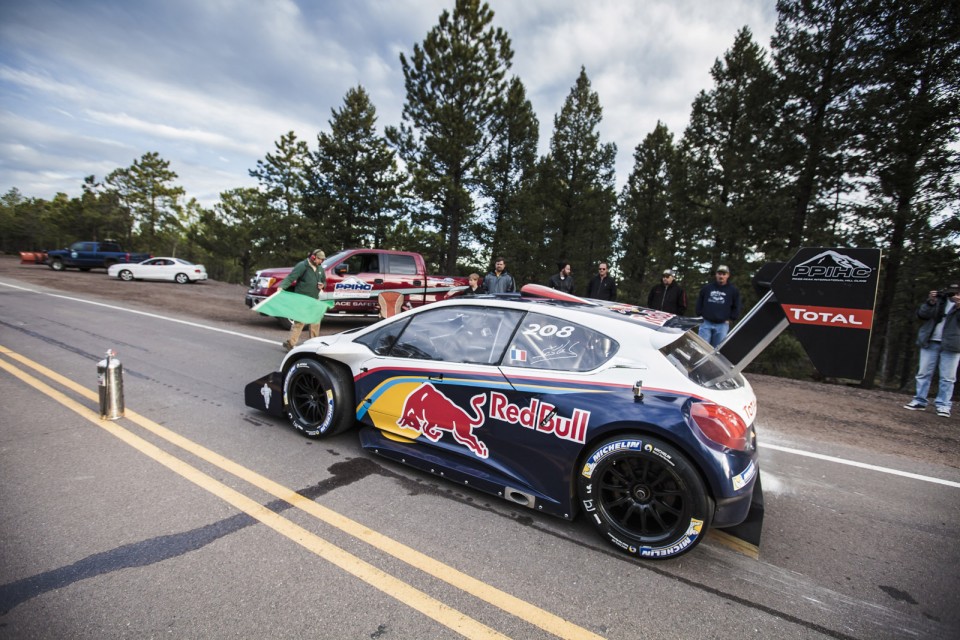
{"x":302,"y":305}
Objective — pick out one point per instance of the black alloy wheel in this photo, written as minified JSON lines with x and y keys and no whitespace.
{"x":318,"y":399}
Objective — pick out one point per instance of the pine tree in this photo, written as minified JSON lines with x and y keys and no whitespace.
{"x":355,"y":177}
{"x":581,"y":169}
{"x":144,"y":189}
{"x":454,"y":82}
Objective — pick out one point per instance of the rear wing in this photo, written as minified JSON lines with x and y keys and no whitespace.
{"x":827,"y":297}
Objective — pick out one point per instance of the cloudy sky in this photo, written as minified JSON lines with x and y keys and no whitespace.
{"x":87,"y":86}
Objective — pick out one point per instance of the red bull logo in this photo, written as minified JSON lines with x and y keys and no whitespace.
{"x":431,"y":413}
{"x":540,"y":416}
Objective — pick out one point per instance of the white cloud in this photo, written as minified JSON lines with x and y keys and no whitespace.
{"x":91,"y":85}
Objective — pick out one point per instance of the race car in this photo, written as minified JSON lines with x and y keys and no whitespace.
{"x":554,"y":402}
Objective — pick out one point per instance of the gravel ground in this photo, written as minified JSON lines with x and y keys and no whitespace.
{"x":832,"y":413}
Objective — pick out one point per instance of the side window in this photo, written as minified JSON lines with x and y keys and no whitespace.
{"x":363,"y":263}
{"x":403,"y":265}
{"x":109,"y":246}
{"x":78,"y":246}
{"x":545,"y":342}
{"x":453,"y":334}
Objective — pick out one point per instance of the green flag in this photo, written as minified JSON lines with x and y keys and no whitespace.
{"x":296,"y":306}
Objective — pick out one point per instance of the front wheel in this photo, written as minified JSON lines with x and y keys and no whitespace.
{"x":318,"y":399}
{"x":56,"y":264}
{"x":126,"y":275}
{"x":645,"y":497}
{"x":181,"y":278}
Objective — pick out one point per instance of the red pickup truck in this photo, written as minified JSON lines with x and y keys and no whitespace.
{"x":355,"y":277}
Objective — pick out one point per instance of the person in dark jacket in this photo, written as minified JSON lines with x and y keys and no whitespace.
{"x":474,"y":286}
{"x":602,"y":286}
{"x":719,"y":304}
{"x":499,"y":280}
{"x":668,"y":295}
{"x":562,"y":281}
{"x":939,"y":342}
{"x":310,"y":280}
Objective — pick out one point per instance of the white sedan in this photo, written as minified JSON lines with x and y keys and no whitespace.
{"x":175,"y":269}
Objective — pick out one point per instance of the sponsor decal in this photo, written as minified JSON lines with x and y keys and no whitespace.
{"x":829,"y":316}
{"x":832,"y":266}
{"x":430,"y":412}
{"x":540,"y":416}
{"x":652,"y":316}
{"x":266,"y":393}
{"x":352,"y":287}
{"x":603,"y":452}
{"x":657,"y":451}
{"x":518,"y":355}
{"x":750,"y":409}
{"x":742,"y":479}
{"x":692,"y":533}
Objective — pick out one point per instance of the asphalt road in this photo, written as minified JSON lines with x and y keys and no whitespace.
{"x":195,"y":517}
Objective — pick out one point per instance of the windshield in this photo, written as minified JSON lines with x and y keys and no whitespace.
{"x":692,"y":355}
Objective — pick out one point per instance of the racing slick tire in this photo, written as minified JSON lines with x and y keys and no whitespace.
{"x":317,"y":399}
{"x":126,"y":275}
{"x":644,"y":496}
{"x":181,"y":278}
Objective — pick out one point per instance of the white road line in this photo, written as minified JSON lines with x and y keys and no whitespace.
{"x":144,"y":313}
{"x":862,"y":465}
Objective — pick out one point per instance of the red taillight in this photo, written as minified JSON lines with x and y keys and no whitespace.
{"x":720,"y":424}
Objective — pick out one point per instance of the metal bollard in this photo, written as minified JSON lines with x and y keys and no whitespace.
{"x":110,"y":377}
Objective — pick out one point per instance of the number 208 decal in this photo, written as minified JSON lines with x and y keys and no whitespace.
{"x":538,"y":330}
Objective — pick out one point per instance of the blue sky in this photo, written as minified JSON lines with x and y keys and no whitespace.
{"x":89,"y":86}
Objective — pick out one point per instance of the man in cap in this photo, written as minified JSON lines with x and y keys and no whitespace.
{"x":939,"y":342}
{"x":719,"y":304}
{"x":308,"y":279}
{"x":668,"y":295}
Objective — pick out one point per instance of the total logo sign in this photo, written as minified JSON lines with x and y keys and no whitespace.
{"x":430,"y":412}
{"x":829,"y":316}
{"x":352,"y":287}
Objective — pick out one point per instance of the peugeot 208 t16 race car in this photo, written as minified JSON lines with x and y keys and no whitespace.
{"x":550,"y":401}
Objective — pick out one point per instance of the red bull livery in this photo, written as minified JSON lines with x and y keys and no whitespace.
{"x":572,"y":406}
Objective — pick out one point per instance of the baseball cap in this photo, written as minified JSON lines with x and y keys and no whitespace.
{"x":952,"y":287}
{"x":723,"y":269}
{"x":319,"y":254}
{"x":668,"y":272}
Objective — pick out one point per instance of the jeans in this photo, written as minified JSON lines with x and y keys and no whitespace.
{"x":714,"y":332}
{"x":948,"y":361}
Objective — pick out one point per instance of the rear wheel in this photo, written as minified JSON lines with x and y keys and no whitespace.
{"x":645,"y":497}
{"x":181,"y":278}
{"x":126,"y":275}
{"x":318,"y":399}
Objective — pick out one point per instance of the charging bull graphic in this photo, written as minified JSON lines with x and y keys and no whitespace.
{"x":431,"y":413}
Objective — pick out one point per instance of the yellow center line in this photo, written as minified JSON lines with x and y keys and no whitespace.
{"x":388,"y":584}
{"x":526,"y":611}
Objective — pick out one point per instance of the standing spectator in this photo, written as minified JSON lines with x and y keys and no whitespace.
{"x":668,"y":295}
{"x":939,"y":342}
{"x":498,"y":280}
{"x":719,"y":304}
{"x":474,"y":287}
{"x":310,"y":280}
{"x":602,"y":286}
{"x":562,"y":281}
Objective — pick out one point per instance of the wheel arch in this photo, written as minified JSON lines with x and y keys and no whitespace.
{"x":639,"y":429}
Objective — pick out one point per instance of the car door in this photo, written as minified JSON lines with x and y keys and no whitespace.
{"x":150,"y":269}
{"x":431,"y":374}
{"x":355,"y":282}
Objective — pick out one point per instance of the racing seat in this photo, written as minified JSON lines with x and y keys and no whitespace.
{"x":391,"y":303}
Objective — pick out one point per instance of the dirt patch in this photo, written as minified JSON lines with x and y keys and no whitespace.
{"x":827,"y":412}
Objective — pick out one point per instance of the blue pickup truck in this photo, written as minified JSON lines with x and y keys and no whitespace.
{"x":92,"y":255}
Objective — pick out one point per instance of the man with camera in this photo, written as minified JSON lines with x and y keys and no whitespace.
{"x":939,"y":342}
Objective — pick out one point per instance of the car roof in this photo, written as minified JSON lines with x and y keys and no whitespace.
{"x":538,"y":297}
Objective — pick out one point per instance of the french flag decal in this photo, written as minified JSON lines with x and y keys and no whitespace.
{"x":518,"y":355}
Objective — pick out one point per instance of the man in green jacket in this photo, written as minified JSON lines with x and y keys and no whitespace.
{"x":310,"y":280}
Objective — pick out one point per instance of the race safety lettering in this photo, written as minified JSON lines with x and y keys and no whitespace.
{"x":829,"y":316}
{"x":692,"y":533}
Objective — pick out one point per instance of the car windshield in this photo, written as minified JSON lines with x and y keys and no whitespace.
{"x":692,"y":355}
